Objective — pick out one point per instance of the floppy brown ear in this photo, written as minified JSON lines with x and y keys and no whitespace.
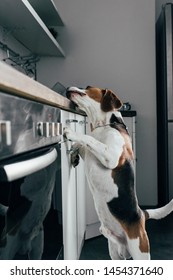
{"x":110,"y":101}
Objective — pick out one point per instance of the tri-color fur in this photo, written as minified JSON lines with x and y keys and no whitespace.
{"x":109,"y":167}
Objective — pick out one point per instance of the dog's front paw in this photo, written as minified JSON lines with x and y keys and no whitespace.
{"x":75,"y":158}
{"x":69,"y":134}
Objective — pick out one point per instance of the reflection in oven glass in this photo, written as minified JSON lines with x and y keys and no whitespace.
{"x":30,"y":220}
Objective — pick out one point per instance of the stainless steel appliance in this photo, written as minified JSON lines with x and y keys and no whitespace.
{"x":29,"y":137}
{"x":164,"y":51}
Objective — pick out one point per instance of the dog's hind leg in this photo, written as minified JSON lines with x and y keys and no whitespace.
{"x":139,"y":247}
{"x":114,"y":251}
{"x":137,"y":239}
{"x":118,"y":251}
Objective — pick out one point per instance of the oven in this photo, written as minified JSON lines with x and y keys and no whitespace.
{"x":30,"y":133}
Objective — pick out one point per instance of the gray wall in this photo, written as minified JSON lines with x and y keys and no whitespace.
{"x":112,"y":44}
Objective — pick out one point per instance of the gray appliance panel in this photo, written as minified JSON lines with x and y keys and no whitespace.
{"x":26,"y":125}
{"x":169,"y":58}
{"x":170,"y":157}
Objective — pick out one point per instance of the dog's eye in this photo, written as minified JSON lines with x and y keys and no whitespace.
{"x":89,"y":87}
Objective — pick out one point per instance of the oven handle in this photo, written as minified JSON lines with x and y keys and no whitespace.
{"x":14,"y":171}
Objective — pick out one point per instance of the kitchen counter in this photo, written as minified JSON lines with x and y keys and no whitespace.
{"x":16,"y":83}
{"x":129,"y":113}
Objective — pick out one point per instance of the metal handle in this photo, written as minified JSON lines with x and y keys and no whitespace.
{"x":83,"y":122}
{"x":14,"y":171}
{"x":71,"y":121}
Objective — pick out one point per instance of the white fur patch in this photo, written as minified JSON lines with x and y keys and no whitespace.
{"x":133,"y":248}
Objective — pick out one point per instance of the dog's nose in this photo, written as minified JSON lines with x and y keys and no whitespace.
{"x":68,"y":92}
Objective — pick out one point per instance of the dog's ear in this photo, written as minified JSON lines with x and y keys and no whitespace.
{"x":110,"y":101}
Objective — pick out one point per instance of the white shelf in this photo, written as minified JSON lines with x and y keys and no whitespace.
{"x":47,"y":11}
{"x":22,"y":21}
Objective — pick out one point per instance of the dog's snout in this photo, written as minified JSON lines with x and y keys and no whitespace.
{"x":73,"y":91}
{"x":68,"y":92}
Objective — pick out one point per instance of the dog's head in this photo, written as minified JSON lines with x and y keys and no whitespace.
{"x":107,"y":99}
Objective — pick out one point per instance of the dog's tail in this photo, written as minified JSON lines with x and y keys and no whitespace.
{"x":159,"y":213}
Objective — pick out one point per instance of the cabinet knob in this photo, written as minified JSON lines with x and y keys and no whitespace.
{"x":83,"y":122}
{"x":48,"y":129}
{"x":39,"y":128}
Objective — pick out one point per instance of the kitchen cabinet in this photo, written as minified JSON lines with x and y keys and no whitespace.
{"x":21,"y":20}
{"x":92,"y":222}
{"x":73,"y":191}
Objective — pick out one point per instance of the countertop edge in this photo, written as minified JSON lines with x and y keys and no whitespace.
{"x":17,"y":83}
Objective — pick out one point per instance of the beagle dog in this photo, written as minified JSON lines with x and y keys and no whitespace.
{"x":109,"y":167}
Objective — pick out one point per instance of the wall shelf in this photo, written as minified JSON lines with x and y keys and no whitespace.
{"x":47,"y":11}
{"x":20,"y":19}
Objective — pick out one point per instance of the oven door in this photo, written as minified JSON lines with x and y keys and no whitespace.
{"x":26,"y":186}
{"x":19,"y":169}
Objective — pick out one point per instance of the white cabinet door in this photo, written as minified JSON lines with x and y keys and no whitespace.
{"x":92,"y":221}
{"x":69,"y":207}
{"x":73,"y":192}
{"x":81,"y":187}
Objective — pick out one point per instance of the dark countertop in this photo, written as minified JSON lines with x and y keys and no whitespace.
{"x":128,"y":113}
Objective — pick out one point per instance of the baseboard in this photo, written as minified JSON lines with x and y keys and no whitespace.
{"x":92,"y":230}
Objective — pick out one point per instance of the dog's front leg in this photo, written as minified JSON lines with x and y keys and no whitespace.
{"x":79,"y":148}
{"x":108,"y":155}
{"x":76,"y":150}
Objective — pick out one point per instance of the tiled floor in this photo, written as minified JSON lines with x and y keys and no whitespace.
{"x":160,"y":234}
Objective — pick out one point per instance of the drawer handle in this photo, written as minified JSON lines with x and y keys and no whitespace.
{"x":71,"y":121}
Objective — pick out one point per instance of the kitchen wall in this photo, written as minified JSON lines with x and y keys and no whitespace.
{"x":112,"y":44}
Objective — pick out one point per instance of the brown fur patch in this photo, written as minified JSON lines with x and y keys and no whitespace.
{"x":95,"y":93}
{"x":110,"y":101}
{"x":137,"y":230}
{"x":106,"y":97}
